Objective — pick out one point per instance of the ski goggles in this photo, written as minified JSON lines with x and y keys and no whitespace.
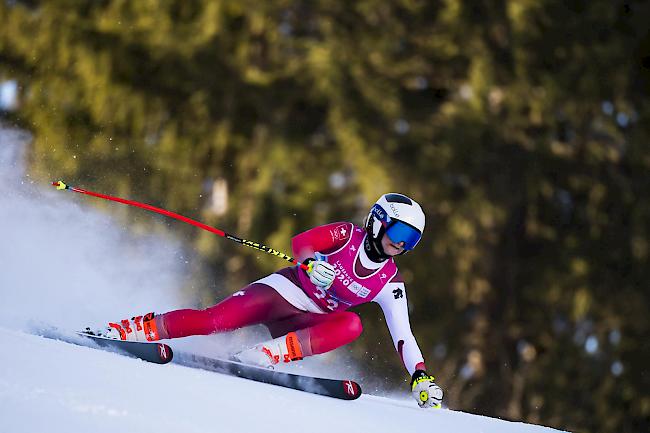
{"x":397,"y":231}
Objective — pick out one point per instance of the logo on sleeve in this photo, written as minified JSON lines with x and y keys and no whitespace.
{"x":339,"y":233}
{"x":398,"y":293}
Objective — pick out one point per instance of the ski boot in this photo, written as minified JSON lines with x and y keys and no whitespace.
{"x":269,"y":353}
{"x":138,"y":328}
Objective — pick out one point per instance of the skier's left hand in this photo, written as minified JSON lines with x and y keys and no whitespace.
{"x":425,"y":391}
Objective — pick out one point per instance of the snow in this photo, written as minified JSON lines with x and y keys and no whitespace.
{"x":66,"y":265}
{"x":51,"y":386}
{"x":69,"y":265}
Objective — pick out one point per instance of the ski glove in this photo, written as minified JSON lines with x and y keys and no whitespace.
{"x":320,"y":273}
{"x":425,"y":391}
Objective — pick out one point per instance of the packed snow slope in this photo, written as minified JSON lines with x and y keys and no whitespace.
{"x":67,"y":265}
{"x":51,"y":386}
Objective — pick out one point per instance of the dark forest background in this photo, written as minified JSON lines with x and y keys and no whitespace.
{"x":521,"y":127}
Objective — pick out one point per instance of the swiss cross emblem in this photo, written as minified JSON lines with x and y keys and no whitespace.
{"x":338,"y":233}
{"x":398,"y":293}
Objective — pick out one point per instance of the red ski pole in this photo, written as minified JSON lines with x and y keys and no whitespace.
{"x":61,"y":185}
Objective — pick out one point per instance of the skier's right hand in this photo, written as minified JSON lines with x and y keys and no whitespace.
{"x":320,"y":273}
{"x":425,"y":391}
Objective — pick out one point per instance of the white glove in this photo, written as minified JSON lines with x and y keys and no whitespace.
{"x":425,"y":391}
{"x":321,"y":273}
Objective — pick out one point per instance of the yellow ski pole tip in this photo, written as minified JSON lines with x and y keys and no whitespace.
{"x":59,"y":185}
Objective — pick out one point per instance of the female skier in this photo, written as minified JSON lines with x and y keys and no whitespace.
{"x":305,"y":311}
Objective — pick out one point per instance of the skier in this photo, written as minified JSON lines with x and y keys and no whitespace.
{"x":306,"y":311}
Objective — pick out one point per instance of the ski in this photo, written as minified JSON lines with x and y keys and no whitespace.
{"x":157,"y":353}
{"x":160,"y":353}
{"x":341,"y":389}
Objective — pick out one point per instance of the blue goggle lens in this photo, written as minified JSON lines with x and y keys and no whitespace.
{"x":402,"y":232}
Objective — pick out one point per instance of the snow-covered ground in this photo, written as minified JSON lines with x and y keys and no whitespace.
{"x":66,"y":265}
{"x":51,"y":386}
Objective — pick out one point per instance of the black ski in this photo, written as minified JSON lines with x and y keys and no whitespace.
{"x":161,"y":354}
{"x":342,"y":389}
{"x":157,"y":353}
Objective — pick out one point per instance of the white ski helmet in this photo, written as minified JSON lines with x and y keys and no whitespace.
{"x":398,"y":216}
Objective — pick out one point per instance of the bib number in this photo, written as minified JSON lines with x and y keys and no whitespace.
{"x":321,"y":293}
